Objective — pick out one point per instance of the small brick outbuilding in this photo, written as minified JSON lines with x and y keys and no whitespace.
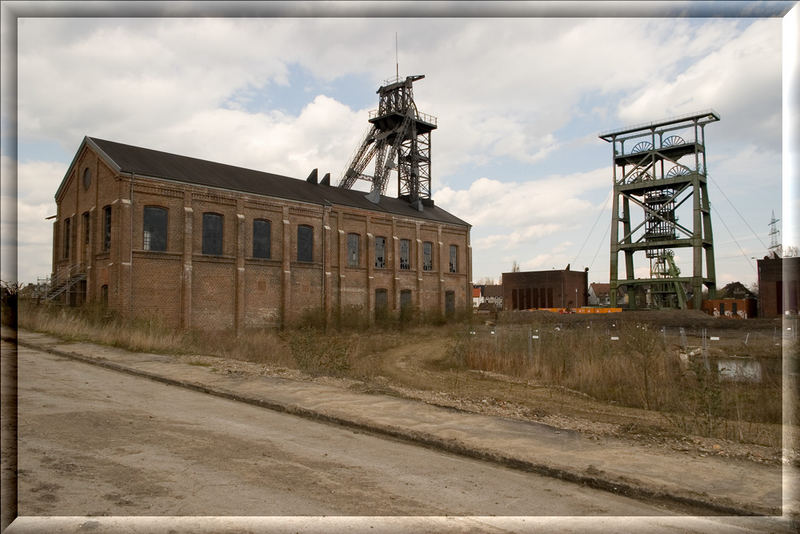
{"x":778,"y":286}
{"x":545,"y":289}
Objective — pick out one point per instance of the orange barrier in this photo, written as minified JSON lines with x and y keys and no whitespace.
{"x":579,"y":310}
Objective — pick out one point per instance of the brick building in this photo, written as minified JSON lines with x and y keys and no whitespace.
{"x":730,"y":307}
{"x":545,"y":289}
{"x":778,"y":286}
{"x":200,"y":244}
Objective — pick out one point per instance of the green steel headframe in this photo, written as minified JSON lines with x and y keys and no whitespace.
{"x":659,"y":167}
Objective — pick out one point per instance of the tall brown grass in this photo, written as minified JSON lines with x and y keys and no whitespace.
{"x":637,"y":369}
{"x":349,"y":348}
{"x":95,"y":325}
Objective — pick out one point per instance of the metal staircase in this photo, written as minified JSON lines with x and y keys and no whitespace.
{"x":64,"y":282}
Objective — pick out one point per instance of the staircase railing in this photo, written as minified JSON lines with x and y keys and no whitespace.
{"x":64,"y":281}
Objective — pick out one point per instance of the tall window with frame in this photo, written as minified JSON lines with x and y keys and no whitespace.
{"x":453,"y":258}
{"x":380,"y":252}
{"x":154,"y":228}
{"x":212,"y":234}
{"x":262,"y":239}
{"x":381,"y":303}
{"x":305,"y":243}
{"x":405,"y":254}
{"x":405,"y":299}
{"x":87,"y":232}
{"x":353,"y":249}
{"x":67,"y":236}
{"x":106,"y":228}
{"x":427,"y":256}
{"x":449,"y":303}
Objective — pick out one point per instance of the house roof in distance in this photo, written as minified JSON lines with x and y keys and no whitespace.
{"x":164,"y":165}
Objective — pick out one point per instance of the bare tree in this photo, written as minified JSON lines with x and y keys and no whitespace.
{"x":753,"y":288}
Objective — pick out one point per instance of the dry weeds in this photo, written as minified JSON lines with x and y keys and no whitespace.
{"x":537,"y":366}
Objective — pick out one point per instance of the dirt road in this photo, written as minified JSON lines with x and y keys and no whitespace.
{"x":96,"y":442}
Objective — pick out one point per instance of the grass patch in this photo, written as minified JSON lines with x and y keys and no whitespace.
{"x":632,"y":364}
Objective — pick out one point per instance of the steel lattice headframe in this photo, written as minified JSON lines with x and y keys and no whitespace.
{"x":398,"y":138}
{"x":660,"y":167}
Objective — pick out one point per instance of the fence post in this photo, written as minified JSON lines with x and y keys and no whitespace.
{"x":530,"y":345}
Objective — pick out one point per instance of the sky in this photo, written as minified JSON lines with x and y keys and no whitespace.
{"x":520,"y":102}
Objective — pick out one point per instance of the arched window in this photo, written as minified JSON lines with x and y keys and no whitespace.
{"x":427,"y":256}
{"x":87,"y":231}
{"x":353,"y":250}
{"x":212,"y":234}
{"x":449,"y":303}
{"x":381,"y":303}
{"x":405,"y":299}
{"x":67,"y":235}
{"x":305,"y":243}
{"x":87,"y":178}
{"x":261,"y":238}
{"x":380,"y":252}
{"x":453,"y":258}
{"x":106,"y":228}
{"x":104,"y":296}
{"x":405,"y":254}
{"x":154,"y":223}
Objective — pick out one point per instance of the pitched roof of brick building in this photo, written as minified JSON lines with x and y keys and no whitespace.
{"x":164,"y":165}
{"x":600,"y":289}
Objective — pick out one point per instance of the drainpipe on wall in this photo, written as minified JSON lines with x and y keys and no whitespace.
{"x":322,"y":273}
{"x":325,"y":206}
{"x":130,"y":255}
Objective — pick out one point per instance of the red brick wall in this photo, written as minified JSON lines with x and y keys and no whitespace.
{"x":182,"y":287}
{"x":156,"y":287}
{"x":778,"y":286}
{"x":544,"y":289}
{"x":262,"y":293}
{"x":213,"y":293}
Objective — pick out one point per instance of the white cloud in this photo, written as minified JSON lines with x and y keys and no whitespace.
{"x":526,"y":221}
{"x":513,"y":239}
{"x":489,"y":202}
{"x":274,"y":142}
{"x":557,"y":258}
{"x":502,"y":89}
{"x":741,"y":80}
{"x":35,"y":202}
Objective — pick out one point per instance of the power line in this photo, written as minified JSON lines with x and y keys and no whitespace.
{"x":734,"y":240}
{"x":600,"y":244}
{"x":602,"y":210}
{"x":737,"y":211}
